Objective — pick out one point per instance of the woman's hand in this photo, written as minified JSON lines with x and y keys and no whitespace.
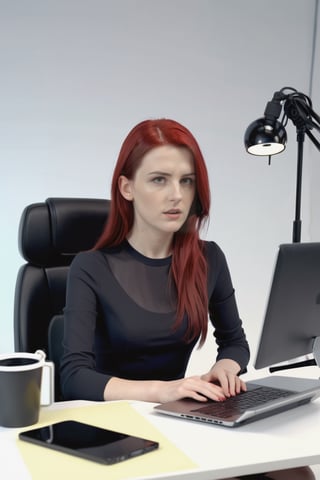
{"x":160,"y":391}
{"x":218,"y":384}
{"x":225,"y":373}
{"x":195,"y":387}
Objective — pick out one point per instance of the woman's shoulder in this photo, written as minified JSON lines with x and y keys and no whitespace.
{"x":94,"y":257}
{"x":88,"y":259}
{"x":213,"y":251}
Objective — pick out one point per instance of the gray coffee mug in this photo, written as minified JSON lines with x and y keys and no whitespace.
{"x":20,"y":387}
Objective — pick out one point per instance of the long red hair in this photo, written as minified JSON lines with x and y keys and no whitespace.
{"x":189,"y":266}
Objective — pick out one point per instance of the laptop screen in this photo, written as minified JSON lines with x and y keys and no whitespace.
{"x":292,"y":319}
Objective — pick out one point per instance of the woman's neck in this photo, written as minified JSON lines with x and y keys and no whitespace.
{"x":152,"y":248}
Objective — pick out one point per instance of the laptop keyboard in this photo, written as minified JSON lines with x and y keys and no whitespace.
{"x":243,"y":401}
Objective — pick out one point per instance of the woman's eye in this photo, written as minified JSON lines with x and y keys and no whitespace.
{"x":159,"y":180}
{"x":187,"y":181}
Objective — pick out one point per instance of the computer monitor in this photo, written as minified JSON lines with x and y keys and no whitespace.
{"x":292,"y":320}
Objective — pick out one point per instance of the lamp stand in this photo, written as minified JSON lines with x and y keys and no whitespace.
{"x":296,"y":234}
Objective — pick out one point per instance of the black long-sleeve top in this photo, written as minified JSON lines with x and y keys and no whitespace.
{"x":119,"y":319}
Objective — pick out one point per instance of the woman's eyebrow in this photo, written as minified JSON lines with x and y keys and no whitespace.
{"x":166,"y":174}
{"x":158,"y":172}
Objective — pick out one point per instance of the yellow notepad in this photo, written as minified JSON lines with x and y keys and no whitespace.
{"x":43,"y":463}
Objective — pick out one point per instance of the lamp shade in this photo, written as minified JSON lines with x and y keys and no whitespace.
{"x":261,"y":138}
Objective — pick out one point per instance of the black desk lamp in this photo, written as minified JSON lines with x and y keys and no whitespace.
{"x":267,"y":135}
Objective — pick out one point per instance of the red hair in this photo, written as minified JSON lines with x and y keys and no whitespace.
{"x":189,"y":266}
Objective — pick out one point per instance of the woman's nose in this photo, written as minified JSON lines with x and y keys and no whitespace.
{"x":175,"y":191}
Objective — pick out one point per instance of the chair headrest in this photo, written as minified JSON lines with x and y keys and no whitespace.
{"x":52,"y":232}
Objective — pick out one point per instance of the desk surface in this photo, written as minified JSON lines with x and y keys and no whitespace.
{"x":285,"y":440}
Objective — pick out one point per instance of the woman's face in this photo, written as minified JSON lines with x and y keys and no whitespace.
{"x":162,"y":190}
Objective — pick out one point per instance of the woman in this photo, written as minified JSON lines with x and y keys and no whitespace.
{"x":138,"y":303}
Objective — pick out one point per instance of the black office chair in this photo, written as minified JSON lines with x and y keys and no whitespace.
{"x":50,"y":234}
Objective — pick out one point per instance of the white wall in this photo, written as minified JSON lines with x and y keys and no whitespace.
{"x":76,"y":75}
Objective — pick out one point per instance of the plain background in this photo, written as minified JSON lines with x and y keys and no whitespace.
{"x":77,"y":75}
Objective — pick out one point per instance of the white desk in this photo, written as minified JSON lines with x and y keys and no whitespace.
{"x":282,"y":441}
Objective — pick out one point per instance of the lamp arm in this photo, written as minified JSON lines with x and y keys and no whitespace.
{"x":314,"y":123}
{"x":313,"y":139}
{"x":316,"y":117}
{"x":298,"y":108}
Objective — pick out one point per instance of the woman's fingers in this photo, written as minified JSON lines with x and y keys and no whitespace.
{"x":191,"y":387}
{"x":227,"y":377}
{"x":199,"y":389}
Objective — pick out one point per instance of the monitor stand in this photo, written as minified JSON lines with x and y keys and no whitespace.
{"x":304,"y":363}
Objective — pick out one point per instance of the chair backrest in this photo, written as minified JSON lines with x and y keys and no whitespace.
{"x":50,"y":235}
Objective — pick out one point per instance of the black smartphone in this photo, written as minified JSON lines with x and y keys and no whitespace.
{"x":90,"y":442}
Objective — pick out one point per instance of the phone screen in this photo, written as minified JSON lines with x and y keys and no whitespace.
{"x":90,"y":442}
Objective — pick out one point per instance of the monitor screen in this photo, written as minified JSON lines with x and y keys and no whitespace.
{"x":292,"y":319}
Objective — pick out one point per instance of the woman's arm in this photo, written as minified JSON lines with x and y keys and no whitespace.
{"x":195,"y":387}
{"x":79,"y":376}
{"x":233,"y":349}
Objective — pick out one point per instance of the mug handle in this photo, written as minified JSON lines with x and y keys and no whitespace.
{"x":47,"y":382}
